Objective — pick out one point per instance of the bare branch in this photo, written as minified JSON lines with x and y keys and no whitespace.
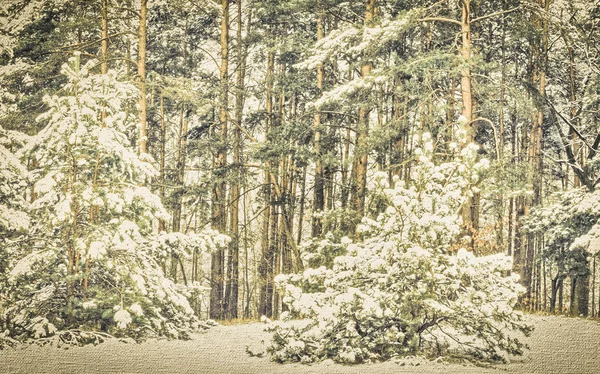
{"x":571,"y":126}
{"x":440,"y":19}
{"x":577,"y":169}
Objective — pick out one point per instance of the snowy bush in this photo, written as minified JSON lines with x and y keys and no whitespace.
{"x":400,"y":290}
{"x":90,"y":263}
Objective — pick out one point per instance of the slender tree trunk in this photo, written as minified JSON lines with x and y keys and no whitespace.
{"x":265,"y":268}
{"x":561,"y":295}
{"x":301,"y":209}
{"x":319,"y":188}
{"x":179,"y":180}
{"x":573,"y":111}
{"x":162,"y":177}
{"x":278,"y":218}
{"x":598,"y":315}
{"x":397,"y":152}
{"x":582,"y":293}
{"x":272,"y":259}
{"x":248,"y":291}
{"x":360,"y":162}
{"x":500,"y":140}
{"x":232,"y":289}
{"x":104,"y":43}
{"x":545,"y":280}
{"x":143,"y":138}
{"x":553,"y":293}
{"x":450,"y":112}
{"x":594,"y":287}
{"x":345,"y":166}
{"x":470,"y":211}
{"x":518,"y":255}
{"x":512,"y":202}
{"x":534,"y":176}
{"x":572,"y":295}
{"x":465,"y":79}
{"x":219,"y":218}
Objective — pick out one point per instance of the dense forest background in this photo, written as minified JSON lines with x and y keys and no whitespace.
{"x":270,"y":122}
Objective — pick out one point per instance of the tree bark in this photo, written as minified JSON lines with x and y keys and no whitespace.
{"x":582,"y":293}
{"x":360,"y":162}
{"x":465,"y":79}
{"x":319,"y":188}
{"x":143,"y":138}
{"x":301,"y":209}
{"x":470,"y":211}
{"x":162,"y":176}
{"x":232,"y":293}
{"x":265,"y":269}
{"x":219,"y":219}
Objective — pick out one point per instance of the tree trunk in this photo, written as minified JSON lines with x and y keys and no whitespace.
{"x":500,"y":145}
{"x":344,"y":177}
{"x":360,"y":162}
{"x":232,"y":289}
{"x":534,"y":175}
{"x":518,"y":255}
{"x":465,"y":78}
{"x":265,"y":268}
{"x":553,"y":293}
{"x":162,"y":177}
{"x":594,"y":287}
{"x":319,"y":200}
{"x":572,"y":295}
{"x":179,"y":181}
{"x":582,"y":294}
{"x":219,"y":219}
{"x":104,"y":43}
{"x":470,"y":211}
{"x":301,"y":209}
{"x":561,"y":284}
{"x":143,"y":138}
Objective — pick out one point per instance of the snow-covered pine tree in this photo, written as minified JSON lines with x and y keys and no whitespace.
{"x":93,"y":265}
{"x":405,"y":288}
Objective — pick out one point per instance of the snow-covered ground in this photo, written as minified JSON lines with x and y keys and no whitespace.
{"x":558,"y":345}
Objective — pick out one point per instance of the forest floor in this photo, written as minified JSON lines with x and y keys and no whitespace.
{"x":558,"y":345}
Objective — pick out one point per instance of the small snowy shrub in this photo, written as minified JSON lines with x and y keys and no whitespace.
{"x":400,"y":291}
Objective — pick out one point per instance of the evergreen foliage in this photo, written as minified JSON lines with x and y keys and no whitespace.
{"x":403,"y":289}
{"x":90,"y":262}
